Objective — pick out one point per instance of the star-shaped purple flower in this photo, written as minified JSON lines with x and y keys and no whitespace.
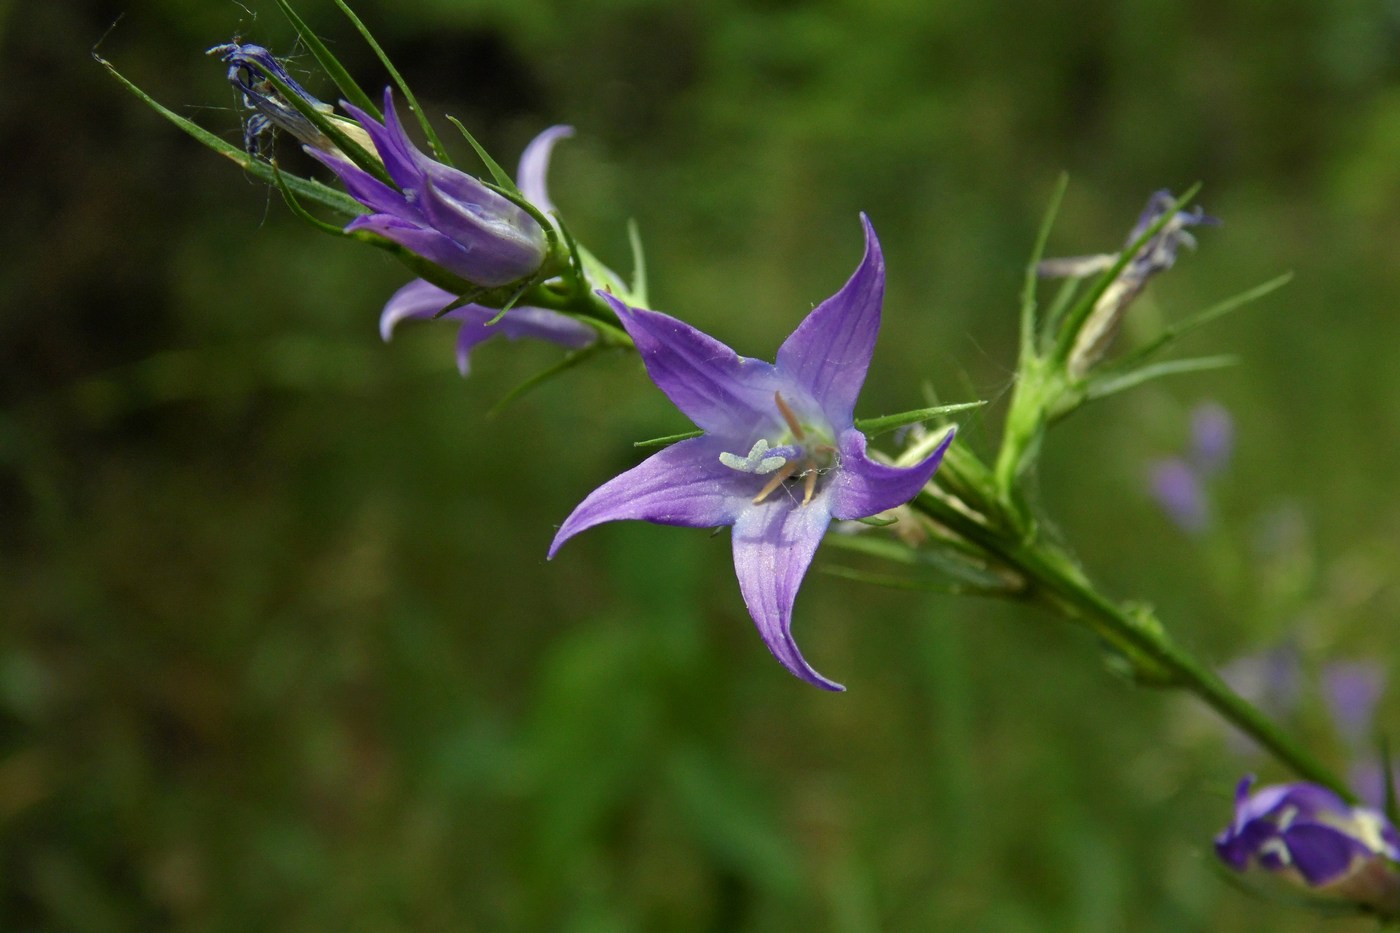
{"x":1312,"y":837}
{"x":780,"y":455}
{"x":421,"y":300}
{"x":442,"y":214}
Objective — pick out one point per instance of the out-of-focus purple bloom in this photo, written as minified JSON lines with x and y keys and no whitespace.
{"x":1156,"y":255}
{"x":1179,"y":494}
{"x":1271,"y":680}
{"x":1212,"y":437}
{"x":1352,"y":689}
{"x":780,"y":455}
{"x":1310,"y":836}
{"x":1367,"y":778}
{"x":421,"y":300}
{"x":444,"y":215}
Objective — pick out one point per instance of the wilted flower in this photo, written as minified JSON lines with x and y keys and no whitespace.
{"x":1156,"y":255}
{"x":442,"y":214}
{"x":421,"y":300}
{"x":1307,"y":834}
{"x":249,"y":68}
{"x":780,"y":455}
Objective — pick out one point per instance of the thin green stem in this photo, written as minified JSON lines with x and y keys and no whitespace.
{"x":1051,"y":573}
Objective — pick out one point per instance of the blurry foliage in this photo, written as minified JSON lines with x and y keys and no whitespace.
{"x":281,"y":650}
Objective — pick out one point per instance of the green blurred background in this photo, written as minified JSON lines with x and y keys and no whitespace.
{"x":280,"y":646}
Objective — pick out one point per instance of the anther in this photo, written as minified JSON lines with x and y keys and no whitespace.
{"x":778,"y":479}
{"x":790,"y":417}
{"x":809,"y":486}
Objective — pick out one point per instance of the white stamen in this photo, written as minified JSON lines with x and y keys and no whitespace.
{"x":755,"y":462}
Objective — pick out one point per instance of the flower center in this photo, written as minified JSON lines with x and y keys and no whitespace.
{"x":803,"y":452}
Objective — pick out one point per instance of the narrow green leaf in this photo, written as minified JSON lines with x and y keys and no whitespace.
{"x":330,"y":63}
{"x":895,"y":582}
{"x":668,"y":439}
{"x":1028,"y":289}
{"x":465,"y":298}
{"x":502,"y":178}
{"x":1200,"y":319}
{"x":937,"y":558}
{"x":569,"y":361}
{"x":509,"y":303}
{"x":1102,"y":387}
{"x":291,"y":199}
{"x":639,"y":264}
{"x":304,"y":187}
{"x":874,"y":426}
{"x":876,"y":521}
{"x":434,"y":143}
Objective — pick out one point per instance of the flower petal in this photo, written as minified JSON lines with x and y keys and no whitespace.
{"x":773,"y":547}
{"x":534,"y":166}
{"x":830,"y":351}
{"x":716,"y":388}
{"x":862,"y":487}
{"x":684,"y":484}
{"x":418,"y":300}
{"x":1320,"y":853}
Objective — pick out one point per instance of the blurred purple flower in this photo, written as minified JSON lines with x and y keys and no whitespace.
{"x":1310,"y":836}
{"x":444,"y":215}
{"x":1180,"y":495}
{"x":1212,"y":437}
{"x":1353,"y":689}
{"x":421,"y":300}
{"x":780,"y":455}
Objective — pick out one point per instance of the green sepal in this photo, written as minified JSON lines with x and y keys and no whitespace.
{"x":871,"y":427}
{"x":1079,"y":313}
{"x":668,"y":439}
{"x":509,"y":303}
{"x":309,"y":189}
{"x":503,"y":179}
{"x":300,"y":212}
{"x":570,"y":360}
{"x":465,"y":298}
{"x":332,"y":66}
{"x":434,"y":143}
{"x":639,"y":264}
{"x":1028,"y":289}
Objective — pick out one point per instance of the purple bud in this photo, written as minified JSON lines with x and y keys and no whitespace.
{"x":1308,"y":835}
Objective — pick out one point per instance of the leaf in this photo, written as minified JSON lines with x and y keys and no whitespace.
{"x":330,"y":63}
{"x":434,"y":143}
{"x":1032,"y":271}
{"x":498,"y":173}
{"x":875,"y":426}
{"x":569,"y":361}
{"x":1101,"y":387}
{"x":307,"y":188}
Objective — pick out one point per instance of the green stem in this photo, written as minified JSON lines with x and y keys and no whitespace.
{"x":1049,"y":572}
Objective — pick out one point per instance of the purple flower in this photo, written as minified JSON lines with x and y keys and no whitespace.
{"x":780,"y":455}
{"x":1353,"y":689}
{"x":444,"y":215}
{"x":1212,"y":437}
{"x":421,"y":300}
{"x":1310,"y":836}
{"x":1179,"y":493}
